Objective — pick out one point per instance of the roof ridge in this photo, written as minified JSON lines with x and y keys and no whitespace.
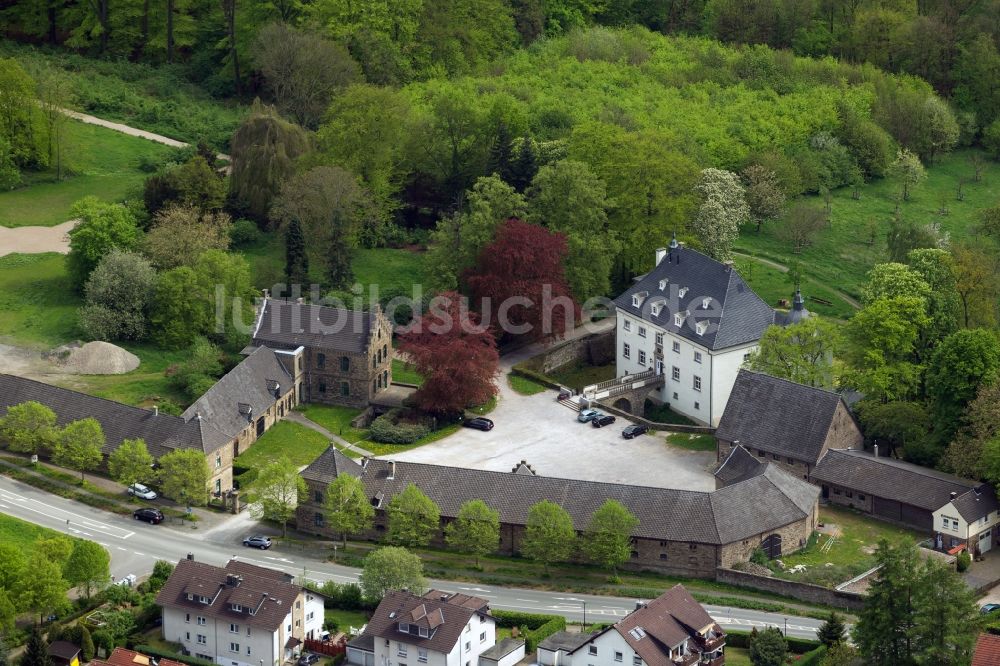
{"x":928,"y":472}
{"x":792,"y":382}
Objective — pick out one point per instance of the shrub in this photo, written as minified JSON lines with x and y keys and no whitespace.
{"x":963,"y":561}
{"x":395,"y":427}
{"x":244,"y":233}
{"x":151,"y":651}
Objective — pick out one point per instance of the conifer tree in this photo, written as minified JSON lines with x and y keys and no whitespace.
{"x":296,"y":258}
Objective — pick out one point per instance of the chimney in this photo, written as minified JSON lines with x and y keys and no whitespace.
{"x":266,"y":293}
{"x":232,"y":580}
{"x":392,"y":470}
{"x":364,"y":462}
{"x":728,"y":263}
{"x":639,"y":604}
{"x":954,"y":495}
{"x":660,"y":253}
{"x":156,"y":410}
{"x":191,"y":556}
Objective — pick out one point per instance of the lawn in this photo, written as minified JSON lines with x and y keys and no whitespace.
{"x":23,"y":534}
{"x":663,"y":414}
{"x":37,"y":300}
{"x":344,"y":619}
{"x":691,"y":442}
{"x":737,"y":657}
{"x":525,"y":386}
{"x":772,"y":285}
{"x":335,"y":419}
{"x":851,"y":552}
{"x":285,"y":438}
{"x":405,"y":373}
{"x":841,"y":254}
{"x":105,"y":163}
{"x":145,"y":386}
{"x":578,"y":376}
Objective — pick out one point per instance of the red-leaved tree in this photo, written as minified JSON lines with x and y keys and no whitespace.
{"x":520,"y":283}
{"x":457,"y":357}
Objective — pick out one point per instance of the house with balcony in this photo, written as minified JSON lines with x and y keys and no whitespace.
{"x":970,"y":520}
{"x":691,"y":322}
{"x":435,"y":629}
{"x":671,"y":630}
{"x":238,"y":615}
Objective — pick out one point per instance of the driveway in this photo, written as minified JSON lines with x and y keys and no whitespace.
{"x":546,"y":435}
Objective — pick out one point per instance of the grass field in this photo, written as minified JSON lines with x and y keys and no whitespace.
{"x":335,"y":419}
{"x":285,"y":438}
{"x":773,"y":285}
{"x":578,"y":376}
{"x":37,"y":300}
{"x":525,"y":386}
{"x":841,"y":255}
{"x":691,"y":442}
{"x":145,"y":386}
{"x":106,"y":164}
{"x":404,"y":372}
{"x":345,"y":619}
{"x":23,"y":534}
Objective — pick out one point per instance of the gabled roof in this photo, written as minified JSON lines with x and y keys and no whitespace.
{"x":63,"y":650}
{"x":252,"y":587}
{"x":123,"y":657}
{"x":161,"y":432}
{"x":987,"y":652}
{"x":737,"y":316}
{"x":888,"y":478}
{"x":330,"y":464}
{"x":976,"y":503}
{"x":758,"y":505}
{"x":444,"y":617}
{"x":244,"y":393}
{"x":738,"y":466}
{"x":778,"y":416}
{"x":290,"y":324}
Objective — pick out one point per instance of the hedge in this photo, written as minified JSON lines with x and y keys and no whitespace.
{"x":538,"y":627}
{"x":388,"y":430}
{"x":151,"y":651}
{"x":741,"y":639}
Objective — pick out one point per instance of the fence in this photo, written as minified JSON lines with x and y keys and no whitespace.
{"x":328,"y":648}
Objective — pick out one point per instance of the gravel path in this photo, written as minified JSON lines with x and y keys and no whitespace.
{"x":32,"y":240}
{"x":784,"y":269}
{"x":131,"y":131}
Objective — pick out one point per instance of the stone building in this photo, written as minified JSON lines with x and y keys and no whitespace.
{"x":347,"y":354}
{"x":680,"y":532}
{"x":789,"y":424}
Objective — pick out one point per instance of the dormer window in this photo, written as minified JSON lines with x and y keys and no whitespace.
{"x":663,"y":284}
{"x":190,"y":597}
{"x":637,"y":299}
{"x":679,"y":318}
{"x":700,"y":327}
{"x":706,"y":303}
{"x":238,"y":608}
{"x":204,"y":600}
{"x":655,"y":309}
{"x":682,"y":291}
{"x":404,"y":627}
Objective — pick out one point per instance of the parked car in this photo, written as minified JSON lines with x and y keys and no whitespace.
{"x":602,"y":420}
{"x":308,"y":659}
{"x":151,"y":516}
{"x":564,"y":394}
{"x":586,"y":415}
{"x":479,"y":423}
{"x":141,"y":491}
{"x":127,"y":581}
{"x":257,"y":541}
{"x":634,"y":431}
{"x":989,"y":608}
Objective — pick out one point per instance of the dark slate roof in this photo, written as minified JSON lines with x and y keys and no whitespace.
{"x":737,"y":316}
{"x":242,"y":394}
{"x":443,"y":619}
{"x":329,"y":465}
{"x":761,"y":504}
{"x":161,"y":432}
{"x":364,"y":642}
{"x":665,"y":622}
{"x":565,"y":640}
{"x":502,"y":649}
{"x":778,"y":416}
{"x":273,"y":597}
{"x":976,"y":503}
{"x":738,"y":466}
{"x":63,"y":650}
{"x":286,"y":324}
{"x":890,"y":479}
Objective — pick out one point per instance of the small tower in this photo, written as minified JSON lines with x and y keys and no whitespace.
{"x":799,"y":311}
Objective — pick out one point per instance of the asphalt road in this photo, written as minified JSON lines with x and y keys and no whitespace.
{"x":135,"y":546}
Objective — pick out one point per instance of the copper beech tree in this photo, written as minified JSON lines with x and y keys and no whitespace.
{"x":457,"y":356}
{"x":521,"y":285}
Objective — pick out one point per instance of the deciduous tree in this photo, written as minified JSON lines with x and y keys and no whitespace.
{"x":607,"y":541}
{"x":457,"y":357}
{"x":475,"y":530}
{"x":183,"y":476}
{"x":102,"y":228}
{"x":131,"y":462}
{"x":764,"y":196}
{"x":802,"y":225}
{"x":391,"y":568}
{"x":88,"y":566}
{"x":346,"y":506}
{"x":520,"y":282}
{"x":549,"y":535}
{"x":29,"y":427}
{"x":118,"y":295}
{"x":907,"y":170}
{"x":977,"y":285}
{"x":274,"y":494}
{"x":79,"y":446}
{"x":42,"y":590}
{"x":414,"y":518}
{"x":176,"y":318}
{"x":723,"y":209}
{"x":802,"y":352}
{"x":181,"y":233}
{"x":961,"y":364}
{"x":980,"y":425}
{"x":899,"y":426}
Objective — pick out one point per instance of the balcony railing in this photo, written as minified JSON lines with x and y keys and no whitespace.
{"x":686,"y":660}
{"x":709,"y":644}
{"x":718,"y":661}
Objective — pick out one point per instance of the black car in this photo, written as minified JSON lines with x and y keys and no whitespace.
{"x":602,"y":420}
{"x":479,"y":423}
{"x":151,"y":516}
{"x":257,"y":541}
{"x":634,"y":431}
{"x":308,"y":659}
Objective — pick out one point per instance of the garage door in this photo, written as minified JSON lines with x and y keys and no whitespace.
{"x":887,"y":508}
{"x":985,"y":541}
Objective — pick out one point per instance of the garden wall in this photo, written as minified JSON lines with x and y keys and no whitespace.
{"x":593,"y":349}
{"x":655,"y":425}
{"x":788,"y":588}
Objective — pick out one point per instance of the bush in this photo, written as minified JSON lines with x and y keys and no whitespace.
{"x":394,"y":428}
{"x":244,"y":233}
{"x":741,"y":639}
{"x":963,"y":561}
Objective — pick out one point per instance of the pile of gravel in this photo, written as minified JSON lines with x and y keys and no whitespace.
{"x":98,"y":358}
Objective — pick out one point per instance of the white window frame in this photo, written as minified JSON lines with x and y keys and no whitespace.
{"x":642,"y":331}
{"x":626,"y":350}
{"x":234,"y":647}
{"x":626,"y":324}
{"x":697,"y":357}
{"x":676,"y":347}
{"x":202,"y":639}
{"x":642,"y":357}
{"x":696,"y":383}
{"x":675,"y":373}
{"x":201,"y":621}
{"x":234,"y":628}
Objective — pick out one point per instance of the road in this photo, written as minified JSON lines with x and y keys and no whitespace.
{"x":135,"y":546}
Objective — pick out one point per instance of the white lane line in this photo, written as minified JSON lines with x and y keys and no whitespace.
{"x":62,"y":514}
{"x":120,"y":548}
{"x":138,"y":553}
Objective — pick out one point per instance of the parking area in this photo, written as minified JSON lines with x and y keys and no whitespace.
{"x":546,"y":435}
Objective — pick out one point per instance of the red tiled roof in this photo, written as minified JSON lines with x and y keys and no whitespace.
{"x":987,"y":650}
{"x":123,"y":657}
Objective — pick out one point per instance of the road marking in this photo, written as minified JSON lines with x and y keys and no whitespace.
{"x":62,"y":515}
{"x":120,"y":548}
{"x":138,"y":553}
{"x":529,"y":601}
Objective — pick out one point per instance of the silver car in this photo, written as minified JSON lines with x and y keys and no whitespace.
{"x":139,"y":490}
{"x":586,"y":415}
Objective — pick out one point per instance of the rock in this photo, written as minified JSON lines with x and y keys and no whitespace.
{"x":95,"y":358}
{"x":779,"y":564}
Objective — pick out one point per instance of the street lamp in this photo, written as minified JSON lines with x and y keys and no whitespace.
{"x":786,"y":627}
{"x":584,"y":615}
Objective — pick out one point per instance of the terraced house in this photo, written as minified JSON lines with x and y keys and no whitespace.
{"x":680,"y":532}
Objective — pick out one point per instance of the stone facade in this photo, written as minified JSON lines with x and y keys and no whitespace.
{"x":849,"y":497}
{"x":593,"y":349}
{"x":794,"y":536}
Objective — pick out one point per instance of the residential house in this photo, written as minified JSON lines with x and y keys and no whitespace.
{"x":970,"y":519}
{"x":507,"y":652}
{"x":672,"y":629}
{"x":436,"y":629}
{"x":888,"y":489}
{"x":347,"y":354}
{"x":122,"y":657}
{"x":680,"y":532}
{"x":789,"y":424}
{"x":238,"y":615}
{"x":694,"y":321}
{"x":555,"y":650}
{"x":987,"y":652}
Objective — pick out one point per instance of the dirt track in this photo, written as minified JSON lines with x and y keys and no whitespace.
{"x":32,"y":240}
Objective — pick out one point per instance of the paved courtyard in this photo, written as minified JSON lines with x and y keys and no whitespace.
{"x":539,"y":430}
